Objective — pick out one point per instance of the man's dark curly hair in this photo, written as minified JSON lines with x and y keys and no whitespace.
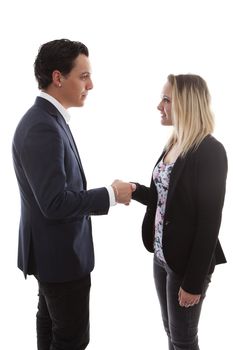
{"x":56,"y":55}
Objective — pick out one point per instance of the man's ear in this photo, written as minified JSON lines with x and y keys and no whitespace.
{"x":57,"y":78}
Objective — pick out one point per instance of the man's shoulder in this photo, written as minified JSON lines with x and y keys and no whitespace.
{"x":39,"y":112}
{"x":35,"y":118}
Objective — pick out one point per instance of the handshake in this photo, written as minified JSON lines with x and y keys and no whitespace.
{"x":123,"y":191}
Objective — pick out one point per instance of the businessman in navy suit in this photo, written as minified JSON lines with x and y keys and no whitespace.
{"x":55,"y":236}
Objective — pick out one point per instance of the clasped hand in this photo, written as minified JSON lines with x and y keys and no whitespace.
{"x":123,"y":191}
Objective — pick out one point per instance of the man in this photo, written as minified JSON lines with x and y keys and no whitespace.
{"x":55,"y":237}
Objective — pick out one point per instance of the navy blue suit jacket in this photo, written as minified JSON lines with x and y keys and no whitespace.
{"x":55,"y":236}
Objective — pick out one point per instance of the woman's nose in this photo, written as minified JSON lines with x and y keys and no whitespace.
{"x":159,"y":107}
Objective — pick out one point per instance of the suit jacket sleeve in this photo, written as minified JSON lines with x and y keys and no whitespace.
{"x":44,"y":160}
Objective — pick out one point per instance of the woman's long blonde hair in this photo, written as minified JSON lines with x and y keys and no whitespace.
{"x":191,"y":113}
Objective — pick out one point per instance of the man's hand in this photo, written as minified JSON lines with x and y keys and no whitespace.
{"x":123,"y":191}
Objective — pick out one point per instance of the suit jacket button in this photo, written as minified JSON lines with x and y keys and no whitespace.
{"x":167,"y":222}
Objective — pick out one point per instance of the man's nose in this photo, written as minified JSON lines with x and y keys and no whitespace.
{"x":90,"y":85}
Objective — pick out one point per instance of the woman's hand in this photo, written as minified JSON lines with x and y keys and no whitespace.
{"x":186,"y":299}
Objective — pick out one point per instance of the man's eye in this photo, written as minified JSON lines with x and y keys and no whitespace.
{"x":84,"y":76}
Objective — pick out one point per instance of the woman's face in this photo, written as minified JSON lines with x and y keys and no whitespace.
{"x":165,"y":105}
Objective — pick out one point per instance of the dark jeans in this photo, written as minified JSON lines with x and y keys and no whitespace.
{"x":180,"y":323}
{"x":63,"y":315}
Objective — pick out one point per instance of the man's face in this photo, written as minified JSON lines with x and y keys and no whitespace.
{"x":75,"y":86}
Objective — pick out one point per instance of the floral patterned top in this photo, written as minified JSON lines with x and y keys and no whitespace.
{"x":161,"y":177}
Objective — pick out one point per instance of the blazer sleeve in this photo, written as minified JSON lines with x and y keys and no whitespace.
{"x":142,"y":194}
{"x":211,"y":172}
{"x":147,"y":196}
{"x":43,"y":161}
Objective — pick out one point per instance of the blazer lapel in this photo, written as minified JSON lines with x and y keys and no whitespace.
{"x":175,"y":174}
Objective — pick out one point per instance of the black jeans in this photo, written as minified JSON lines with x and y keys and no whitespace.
{"x":63,"y":315}
{"x":180,"y":323}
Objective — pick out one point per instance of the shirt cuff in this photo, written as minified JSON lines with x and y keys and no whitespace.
{"x":112,"y":199}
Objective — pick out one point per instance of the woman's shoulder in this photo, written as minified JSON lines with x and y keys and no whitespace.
{"x":211,"y":149}
{"x":211,"y":143}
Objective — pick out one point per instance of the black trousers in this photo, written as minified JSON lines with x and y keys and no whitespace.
{"x":180,"y":323}
{"x":63,"y":315}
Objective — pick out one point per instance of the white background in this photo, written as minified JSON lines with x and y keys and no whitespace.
{"x":133,"y":46}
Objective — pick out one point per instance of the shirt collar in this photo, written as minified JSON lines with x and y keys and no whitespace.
{"x":57,"y":104}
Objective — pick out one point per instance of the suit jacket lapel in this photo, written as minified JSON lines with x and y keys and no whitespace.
{"x":51,"y":109}
{"x":67,"y":130}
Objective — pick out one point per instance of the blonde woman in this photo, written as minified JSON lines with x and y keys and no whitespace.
{"x":184,"y":207}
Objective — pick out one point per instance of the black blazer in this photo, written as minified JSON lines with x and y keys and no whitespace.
{"x":55,"y":236}
{"x":193,"y":213}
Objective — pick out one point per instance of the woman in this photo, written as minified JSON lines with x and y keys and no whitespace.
{"x":184,"y":208}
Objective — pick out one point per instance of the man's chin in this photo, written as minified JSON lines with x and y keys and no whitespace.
{"x":80,"y":104}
